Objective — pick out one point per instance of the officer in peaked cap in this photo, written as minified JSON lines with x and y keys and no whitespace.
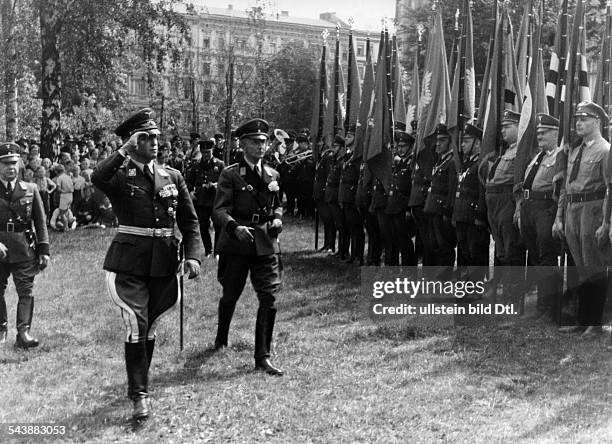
{"x":349,"y":176}
{"x":469,"y":208}
{"x":249,"y":214}
{"x":398,"y":241}
{"x":236,"y":153}
{"x":537,"y":215}
{"x":332,"y":187}
{"x":322,"y":170}
{"x":219,"y":149}
{"x":202,"y":179}
{"x":24,"y":242}
{"x":502,"y":209}
{"x":582,"y":218}
{"x":142,"y":261}
{"x":288,"y":174}
{"x":438,"y":204}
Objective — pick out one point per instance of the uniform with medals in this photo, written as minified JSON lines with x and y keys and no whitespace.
{"x":397,"y":210}
{"x":202,"y":180}
{"x":142,"y":261}
{"x":346,"y":197}
{"x":23,"y":231}
{"x":248,"y":200}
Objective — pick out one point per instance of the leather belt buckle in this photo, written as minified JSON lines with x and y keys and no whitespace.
{"x":158,"y":232}
{"x":526,"y":194}
{"x":10,"y":227}
{"x":255,"y":218}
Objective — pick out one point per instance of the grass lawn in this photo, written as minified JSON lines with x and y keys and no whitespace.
{"x":347,"y":379}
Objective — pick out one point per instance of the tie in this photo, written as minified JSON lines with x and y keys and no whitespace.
{"x":148,"y":174}
{"x":494,"y":167}
{"x":258,"y":170}
{"x":576,"y":165}
{"x":9,"y":188}
{"x":532,"y":172}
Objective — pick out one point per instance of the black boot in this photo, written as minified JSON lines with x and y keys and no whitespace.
{"x":25,"y":310}
{"x":136,"y":364}
{"x":25,"y":340}
{"x":226,"y":312}
{"x":264,"y":327}
{"x":150,"y":344}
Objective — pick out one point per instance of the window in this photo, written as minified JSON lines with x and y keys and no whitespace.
{"x":187,"y":89}
{"x":139,"y":87}
{"x":360,"y":50}
{"x":206,"y":43}
{"x":344,"y":56}
{"x":273,"y":48}
{"x":188,"y":63}
{"x":221,"y":43}
{"x":206,"y":68}
{"x":206,"y":95}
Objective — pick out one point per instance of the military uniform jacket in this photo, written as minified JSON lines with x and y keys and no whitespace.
{"x":468,"y":192}
{"x":138,"y":202}
{"x":438,"y":200}
{"x":23,"y":213}
{"x":348,"y":181}
{"x":244,"y":198}
{"x":363,"y":194}
{"x":333,"y":180}
{"x":421,"y":178}
{"x":379,"y":197}
{"x":200,"y":174}
{"x":401,"y":182}
{"x":321,"y":173}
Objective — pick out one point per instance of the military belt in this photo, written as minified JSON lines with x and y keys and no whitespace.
{"x":586,"y":197}
{"x":256,"y":218}
{"x":148,"y":232}
{"x":537,"y":195}
{"x":14,"y":227}
{"x":499,"y":189}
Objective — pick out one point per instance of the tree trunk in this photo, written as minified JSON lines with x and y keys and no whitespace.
{"x":50,"y":130}
{"x":7,"y":11}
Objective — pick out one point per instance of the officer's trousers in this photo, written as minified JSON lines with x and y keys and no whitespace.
{"x":329,"y":227}
{"x":402,"y":231}
{"x":355,"y":222}
{"x":143,"y":302}
{"x":423,"y":232}
{"x":472,"y":249}
{"x":508,"y":246}
{"x":204,"y":217}
{"x":537,"y":218}
{"x":344,"y":238}
{"x":374,"y":239}
{"x":443,"y":240}
{"x":386,"y":235}
{"x":582,"y":219}
{"x":23,"y":277}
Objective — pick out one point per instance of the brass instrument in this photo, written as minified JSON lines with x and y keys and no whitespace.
{"x":298,"y":157}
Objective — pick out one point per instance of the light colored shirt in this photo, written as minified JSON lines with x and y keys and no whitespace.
{"x":543,"y":180}
{"x":13,"y":183}
{"x":504,"y":173}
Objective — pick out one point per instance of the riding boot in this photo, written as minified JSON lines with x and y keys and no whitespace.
{"x":150,"y":344}
{"x":136,"y":364}
{"x":226,"y":312}
{"x":264,"y":327}
{"x":25,"y":310}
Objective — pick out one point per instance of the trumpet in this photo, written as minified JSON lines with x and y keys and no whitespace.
{"x":299,"y":157}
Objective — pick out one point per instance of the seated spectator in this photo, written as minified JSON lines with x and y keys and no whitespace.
{"x":86,"y":211}
{"x":106,"y":215}
{"x":62,"y":220}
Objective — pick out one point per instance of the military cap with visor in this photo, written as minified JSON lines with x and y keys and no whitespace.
{"x":206,"y":144}
{"x":9,"y":152}
{"x":253,"y":129}
{"x":403,"y":137}
{"x":591,"y":109}
{"x":472,"y":131}
{"x":546,"y":121}
{"x":510,"y":117}
{"x":142,"y":121}
{"x":442,"y":130}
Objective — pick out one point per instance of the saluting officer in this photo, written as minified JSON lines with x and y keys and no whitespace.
{"x":249,"y":214}
{"x":537,"y":214}
{"x":318,"y":194}
{"x":400,"y":219}
{"x":580,"y":216}
{"x":438,"y":204}
{"x":346,"y":197}
{"x":469,"y":208}
{"x":24,"y":242}
{"x":142,"y":261}
{"x":501,"y":205}
{"x":201,"y":181}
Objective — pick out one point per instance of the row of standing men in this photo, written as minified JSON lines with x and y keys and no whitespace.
{"x":452,"y":202}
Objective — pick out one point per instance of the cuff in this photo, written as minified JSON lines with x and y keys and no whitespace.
{"x":43,"y":249}
{"x":231,"y":227}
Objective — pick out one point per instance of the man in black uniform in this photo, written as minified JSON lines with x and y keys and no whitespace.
{"x":318,"y":195}
{"x":438,"y":204}
{"x":142,"y":261}
{"x":305,"y":177}
{"x":249,"y":214}
{"x":219,"y":149}
{"x":331,"y":196}
{"x":363,"y":200}
{"x":201,"y":181}
{"x":236,"y":153}
{"x":421,"y":179}
{"x":24,"y":241}
{"x":346,"y":198}
{"x":400,"y":219}
{"x":469,"y":208}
